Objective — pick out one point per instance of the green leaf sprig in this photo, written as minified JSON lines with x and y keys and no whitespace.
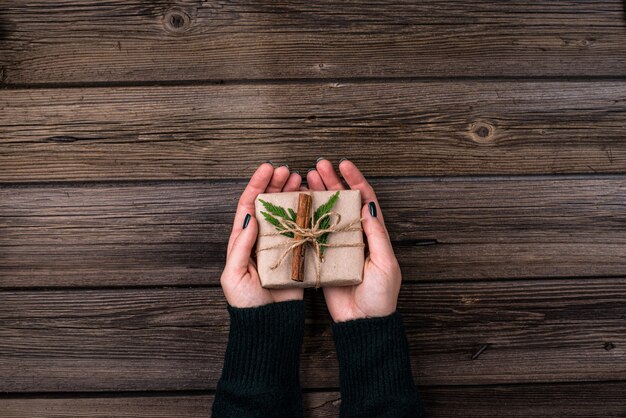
{"x":274,"y":211}
{"x":280,"y":212}
{"x":319,"y":212}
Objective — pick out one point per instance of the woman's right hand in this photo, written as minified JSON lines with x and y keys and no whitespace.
{"x":377,"y":294}
{"x":240,"y":279}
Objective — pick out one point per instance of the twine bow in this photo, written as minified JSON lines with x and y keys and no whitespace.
{"x":311,"y":235}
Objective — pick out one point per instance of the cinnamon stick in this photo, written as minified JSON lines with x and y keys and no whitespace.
{"x":303,"y":219}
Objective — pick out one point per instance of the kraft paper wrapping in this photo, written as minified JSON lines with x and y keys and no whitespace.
{"x":341,"y":266}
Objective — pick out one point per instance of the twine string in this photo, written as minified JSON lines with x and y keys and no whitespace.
{"x":311,"y":235}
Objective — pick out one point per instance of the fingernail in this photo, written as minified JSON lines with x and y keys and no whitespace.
{"x":311,"y":169}
{"x":372,"y":206}
{"x":296,"y":172}
{"x":270,"y":161}
{"x":320,"y":159}
{"x":342,"y":159}
{"x":284,"y":165}
{"x":246,"y":220}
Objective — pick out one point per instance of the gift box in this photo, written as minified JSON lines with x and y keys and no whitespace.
{"x":331,"y":242}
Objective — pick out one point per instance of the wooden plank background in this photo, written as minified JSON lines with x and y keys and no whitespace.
{"x":493,"y":133}
{"x":136,"y":41}
{"x":443,"y":229}
{"x":214,"y":132}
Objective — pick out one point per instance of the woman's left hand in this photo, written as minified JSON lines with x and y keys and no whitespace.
{"x":240,"y":279}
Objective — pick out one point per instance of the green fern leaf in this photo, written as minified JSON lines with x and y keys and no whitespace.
{"x":325,"y":223}
{"x":326,"y":207}
{"x":275,"y":210}
{"x":269,"y":218}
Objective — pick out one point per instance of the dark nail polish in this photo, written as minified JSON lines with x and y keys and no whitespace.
{"x":284,"y":165}
{"x":320,"y":159}
{"x":342,"y":159}
{"x":372,"y":206}
{"x":270,"y":161}
{"x":311,"y":169}
{"x":296,"y":172}
{"x":246,"y":220}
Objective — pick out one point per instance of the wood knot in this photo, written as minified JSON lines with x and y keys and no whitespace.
{"x":176,"y":21}
{"x":482,"y":132}
{"x":608,"y":346}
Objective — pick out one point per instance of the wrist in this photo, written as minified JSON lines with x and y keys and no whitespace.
{"x":357,"y":312}
{"x":264,"y":344}
{"x":371,"y":348}
{"x":353,"y":316}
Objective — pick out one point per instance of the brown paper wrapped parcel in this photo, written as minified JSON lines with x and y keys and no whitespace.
{"x":339,"y":266}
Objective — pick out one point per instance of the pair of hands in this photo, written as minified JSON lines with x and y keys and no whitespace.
{"x":375,"y":296}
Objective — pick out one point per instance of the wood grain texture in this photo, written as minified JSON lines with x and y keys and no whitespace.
{"x":129,"y":406}
{"x":174,"y":339}
{"x":602,"y":399}
{"x":130,"y":40}
{"x":176,"y":233}
{"x":127,"y":128}
{"x":225,"y":131}
{"x":315,"y":405}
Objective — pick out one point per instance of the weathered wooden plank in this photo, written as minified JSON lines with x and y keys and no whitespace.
{"x":130,"y":40}
{"x":176,"y":233}
{"x":174,"y":339}
{"x":315,"y":405}
{"x":225,"y":131}
{"x":111,"y":405}
{"x":604,"y":399}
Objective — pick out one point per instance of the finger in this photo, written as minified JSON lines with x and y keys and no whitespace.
{"x":378,"y":242}
{"x":314,"y":180}
{"x":329,"y":175}
{"x":357,"y":181}
{"x":281,"y":174}
{"x":293,"y":182}
{"x":239,"y":256}
{"x":257,"y":184}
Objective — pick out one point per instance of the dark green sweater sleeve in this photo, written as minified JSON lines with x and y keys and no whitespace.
{"x":260,"y":377}
{"x":375,"y":369}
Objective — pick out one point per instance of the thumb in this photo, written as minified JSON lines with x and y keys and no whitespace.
{"x":381,"y":251}
{"x":239,"y":256}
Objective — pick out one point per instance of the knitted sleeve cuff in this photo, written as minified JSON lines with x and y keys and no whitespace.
{"x":264,"y":345}
{"x":373,"y":358}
